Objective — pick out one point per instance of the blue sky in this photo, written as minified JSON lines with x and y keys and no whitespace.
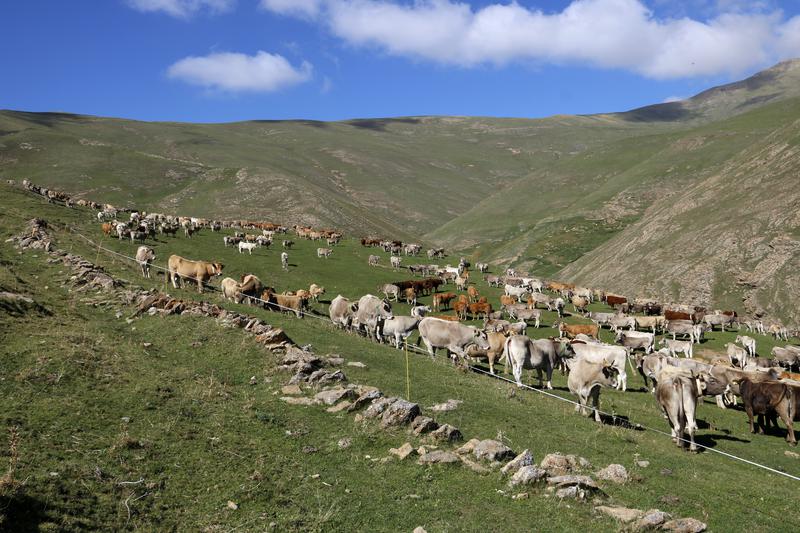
{"x":226,"y":60}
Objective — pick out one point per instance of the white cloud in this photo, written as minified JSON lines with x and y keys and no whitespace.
{"x":306,"y":8}
{"x":182,"y":8}
{"x":670,"y":99}
{"x":621,"y":34}
{"x":234,"y":72}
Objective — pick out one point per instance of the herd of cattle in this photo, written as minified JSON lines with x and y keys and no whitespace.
{"x":765,"y":385}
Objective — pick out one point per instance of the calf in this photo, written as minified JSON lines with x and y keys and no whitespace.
{"x":768,"y":400}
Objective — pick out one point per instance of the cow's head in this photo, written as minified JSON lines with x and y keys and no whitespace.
{"x":385,"y":309}
{"x":217,"y":268}
{"x":610,"y":375}
{"x":480,"y":338}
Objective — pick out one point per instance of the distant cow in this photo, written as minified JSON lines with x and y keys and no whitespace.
{"x":570,"y":330}
{"x":324,"y":252}
{"x":541,"y":355}
{"x":199,"y":271}
{"x":749,"y":344}
{"x":249,"y":246}
{"x":395,"y":261}
{"x":442,"y":300}
{"x":373,"y":260}
{"x":676,"y":346}
{"x":145,"y":257}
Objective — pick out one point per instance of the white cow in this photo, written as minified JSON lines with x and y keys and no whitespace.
{"x":675,"y":347}
{"x":749,"y":344}
{"x":249,"y":246}
{"x":586,"y":378}
{"x":454,"y":337}
{"x":516,"y":292}
{"x":145,"y":256}
{"x":614,"y":356}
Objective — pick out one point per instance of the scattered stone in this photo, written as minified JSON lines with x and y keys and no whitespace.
{"x":253,"y":380}
{"x":364,"y":399}
{"x":341,"y":406}
{"x":310,"y":449}
{"x":437,"y":457}
{"x":147,"y":344}
{"x":335,"y":360}
{"x":670,"y":499}
{"x":789,"y":453}
{"x":378,"y":406}
{"x":573,"y":480}
{"x":232,"y":505}
{"x":291,"y":390}
{"x":684,"y":525}
{"x":423,"y":424}
{"x":557,"y":464}
{"x":357,"y":364}
{"x":614,"y":472}
{"x":449,"y":405}
{"x":447,"y":433}
{"x":403,"y":451}
{"x":322,"y":378}
{"x":294,"y":400}
{"x":666,"y":472}
{"x":399,"y":413}
{"x":651,"y":520}
{"x":573,"y":492}
{"x":492,"y":450}
{"x":623,"y":514}
{"x":642,"y":464}
{"x":526,"y":475}
{"x":520,"y":496}
{"x":332,"y":396}
{"x":422,"y":450}
{"x":419,"y":529}
{"x":468,"y":447}
{"x":523,"y":459}
{"x":126,"y":419}
{"x":344,"y":443}
{"x":358,"y":418}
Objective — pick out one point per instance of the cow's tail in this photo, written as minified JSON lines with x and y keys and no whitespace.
{"x":504,"y":356}
{"x":790,"y":397}
{"x":677,"y":384}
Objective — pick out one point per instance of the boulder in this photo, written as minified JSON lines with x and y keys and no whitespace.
{"x":523,"y":459}
{"x":339,"y":407}
{"x":295,"y":400}
{"x":403,"y":451}
{"x":364,"y":399}
{"x":449,"y":405}
{"x":378,"y":406}
{"x":399,"y":413}
{"x":332,"y":396}
{"x":468,"y":447}
{"x":357,"y":364}
{"x":447,"y":433}
{"x":651,"y":520}
{"x":291,"y":390}
{"x":684,"y":525}
{"x":614,"y":472}
{"x":573,"y":480}
{"x":526,"y":475}
{"x":572,"y":492}
{"x":437,"y":457}
{"x":474,"y":466}
{"x":344,"y":443}
{"x":492,"y":450}
{"x":623,"y":514}
{"x":423,"y":424}
{"x":557,"y":464}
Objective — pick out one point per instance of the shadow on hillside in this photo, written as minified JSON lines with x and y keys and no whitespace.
{"x":48,"y":119}
{"x":22,"y":513}
{"x":669,"y":112}
{"x":710,"y":440}
{"x":379,"y":124}
{"x":312,"y":123}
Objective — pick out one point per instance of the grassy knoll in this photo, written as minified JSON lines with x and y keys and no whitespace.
{"x":201,"y":434}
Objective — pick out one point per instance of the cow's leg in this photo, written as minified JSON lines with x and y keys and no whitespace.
{"x":199,"y":284}
{"x":720,"y":401}
{"x":172,"y":276}
{"x":596,"y":401}
{"x":539,"y":377}
{"x":549,"y":371}
{"x":749,"y":410}
{"x":516,"y":369}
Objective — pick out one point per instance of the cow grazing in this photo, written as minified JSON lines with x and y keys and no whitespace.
{"x":371,"y":311}
{"x":324,"y":252}
{"x":516,"y":292}
{"x":479,"y":309}
{"x":199,"y":271}
{"x":420,"y":311}
{"x":249,"y":246}
{"x":541,"y":355}
{"x":400,"y":328}
{"x":580,"y":303}
{"x":251,"y":288}
{"x":636,"y":340}
{"x":316,"y":291}
{"x":230,"y":290}
{"x":736,"y":355}
{"x":585,"y":380}
{"x":675,"y":347}
{"x":442,"y":300}
{"x":768,"y":400}
{"x":526,"y":315}
{"x":570,"y":330}
{"x":285,"y":303}
{"x":342,"y":312}
{"x":677,"y":392}
{"x":749,"y":344}
{"x":454,"y":337}
{"x":145,"y":257}
{"x":615,"y":356}
{"x":785,"y":357}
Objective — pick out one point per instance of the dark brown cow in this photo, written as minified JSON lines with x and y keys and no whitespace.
{"x":676,"y":315}
{"x":769,"y":400}
{"x":442,"y":300}
{"x":613,"y":300}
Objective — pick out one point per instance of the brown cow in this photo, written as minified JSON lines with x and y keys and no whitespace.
{"x":284,"y":302}
{"x":613,"y":300}
{"x":108,"y":228}
{"x":479,"y":309}
{"x":571,"y":330}
{"x":200,"y":271}
{"x":460,"y":309}
{"x":472,"y":292}
{"x":442,"y":300}
{"x":506,"y":300}
{"x":769,"y":399}
{"x":676,"y":315}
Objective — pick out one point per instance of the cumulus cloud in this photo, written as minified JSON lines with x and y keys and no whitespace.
{"x":306,"y":8}
{"x":621,"y":34}
{"x":234,"y":72}
{"x":182,"y":8}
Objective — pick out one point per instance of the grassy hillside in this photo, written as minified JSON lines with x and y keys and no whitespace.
{"x":199,"y":433}
{"x":559,"y":196}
